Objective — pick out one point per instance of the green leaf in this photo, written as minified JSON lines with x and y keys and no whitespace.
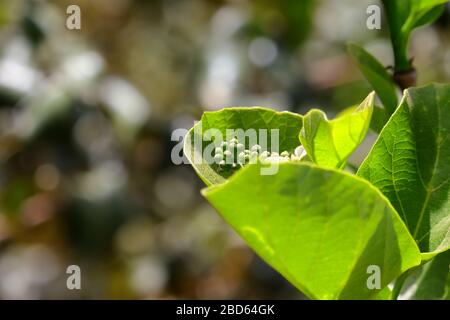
{"x":447,"y":288}
{"x":330,"y":143}
{"x":429,"y":16}
{"x":384,"y":294}
{"x":320,"y":228}
{"x":429,"y":281}
{"x":379,"y":118}
{"x":377,"y":76}
{"x":410,"y":164}
{"x":421,"y":8}
{"x":241,"y":118}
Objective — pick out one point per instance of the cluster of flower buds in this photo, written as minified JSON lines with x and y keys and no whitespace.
{"x":234,"y":154}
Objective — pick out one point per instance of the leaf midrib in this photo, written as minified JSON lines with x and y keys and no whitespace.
{"x":429,"y":187}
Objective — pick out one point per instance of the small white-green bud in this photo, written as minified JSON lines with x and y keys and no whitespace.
{"x":227,"y":153}
{"x":276,"y":159}
{"x":265,"y":154}
{"x":253,"y":154}
{"x":300,"y":152}
{"x":256,"y":148}
{"x":241,"y":158}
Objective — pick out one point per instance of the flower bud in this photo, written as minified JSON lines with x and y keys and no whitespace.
{"x":256,"y":148}
{"x":300,"y":152}
{"x":218,"y":158}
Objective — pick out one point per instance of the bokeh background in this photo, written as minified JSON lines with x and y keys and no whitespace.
{"x":86,"y":122}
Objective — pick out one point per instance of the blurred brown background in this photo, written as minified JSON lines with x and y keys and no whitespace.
{"x":86,"y":118}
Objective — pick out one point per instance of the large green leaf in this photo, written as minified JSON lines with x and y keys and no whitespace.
{"x":447,"y":288}
{"x":410,"y":164}
{"x":241,"y":118}
{"x":429,"y":281}
{"x":377,"y":76}
{"x":331,"y":142}
{"x":320,"y":228}
{"x":379,"y":118}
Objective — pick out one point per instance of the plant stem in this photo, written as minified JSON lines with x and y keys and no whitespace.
{"x":405,"y":78}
